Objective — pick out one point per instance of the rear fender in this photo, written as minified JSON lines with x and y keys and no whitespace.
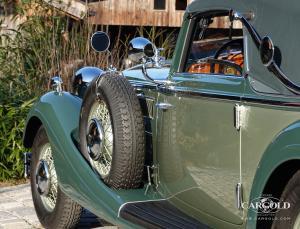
{"x":285,"y":147}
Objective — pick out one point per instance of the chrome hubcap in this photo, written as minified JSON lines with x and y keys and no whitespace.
{"x":100,"y":138}
{"x":42,"y":178}
{"x":95,"y":139}
{"x":46,"y":179}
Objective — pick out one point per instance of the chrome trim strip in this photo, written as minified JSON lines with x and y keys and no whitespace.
{"x":132,"y":202}
{"x":162,"y":199}
{"x":227,"y":97}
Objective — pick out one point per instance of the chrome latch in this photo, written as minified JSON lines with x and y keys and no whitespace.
{"x":237,"y":116}
{"x":239,"y":196}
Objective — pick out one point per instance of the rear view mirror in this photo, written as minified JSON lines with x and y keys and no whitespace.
{"x":100,"y":41}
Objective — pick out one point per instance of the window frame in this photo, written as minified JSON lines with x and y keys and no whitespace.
{"x":163,"y":10}
{"x":194,"y":19}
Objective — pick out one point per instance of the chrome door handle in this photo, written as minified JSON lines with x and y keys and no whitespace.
{"x":164,"y":106}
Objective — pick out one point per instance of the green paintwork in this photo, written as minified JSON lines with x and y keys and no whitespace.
{"x":200,"y":153}
{"x":197,"y":150}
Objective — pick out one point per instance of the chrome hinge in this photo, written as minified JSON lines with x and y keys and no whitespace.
{"x":164,"y":106}
{"x":238,"y":110}
{"x":153,"y":177}
{"x":239,"y":196}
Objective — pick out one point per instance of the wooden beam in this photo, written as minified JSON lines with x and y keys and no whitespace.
{"x":73,"y":8}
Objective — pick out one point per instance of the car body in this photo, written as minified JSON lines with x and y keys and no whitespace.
{"x":215,"y":142}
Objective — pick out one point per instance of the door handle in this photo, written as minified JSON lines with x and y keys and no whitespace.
{"x":164,"y":106}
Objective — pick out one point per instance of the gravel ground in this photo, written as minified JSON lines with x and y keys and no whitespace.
{"x":17,"y":211}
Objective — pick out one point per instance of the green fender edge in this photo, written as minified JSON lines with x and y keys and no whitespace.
{"x":284,"y":147}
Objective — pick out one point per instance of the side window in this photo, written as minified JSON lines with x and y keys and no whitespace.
{"x":216,"y":47}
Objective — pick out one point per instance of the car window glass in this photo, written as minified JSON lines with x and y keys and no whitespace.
{"x":216,"y":47}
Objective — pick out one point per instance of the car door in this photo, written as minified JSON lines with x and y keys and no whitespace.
{"x":198,"y":141}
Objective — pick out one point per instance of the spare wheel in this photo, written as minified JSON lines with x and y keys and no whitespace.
{"x":112,"y":131}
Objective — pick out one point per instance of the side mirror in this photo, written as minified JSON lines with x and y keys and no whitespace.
{"x":266,"y":50}
{"x":140,"y":48}
{"x":100,"y":41}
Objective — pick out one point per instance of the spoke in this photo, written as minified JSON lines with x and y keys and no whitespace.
{"x":108,"y":152}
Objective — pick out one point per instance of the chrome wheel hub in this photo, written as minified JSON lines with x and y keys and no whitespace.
{"x":95,"y":139}
{"x":42,"y":178}
{"x":46,"y":179}
{"x":100,"y":138}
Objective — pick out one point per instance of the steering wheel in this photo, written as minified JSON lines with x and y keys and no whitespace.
{"x":233,"y":43}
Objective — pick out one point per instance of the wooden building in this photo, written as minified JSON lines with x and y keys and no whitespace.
{"x":139,"y":12}
{"x":125,"y":12}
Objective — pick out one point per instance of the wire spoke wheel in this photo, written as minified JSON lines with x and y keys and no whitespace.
{"x":53,"y":208}
{"x":49,"y":196}
{"x":101,"y":150}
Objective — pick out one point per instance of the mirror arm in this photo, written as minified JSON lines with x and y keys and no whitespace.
{"x":110,"y":65}
{"x":254,"y":35}
{"x":275,"y":69}
{"x":272,"y":67}
{"x":145,"y":73}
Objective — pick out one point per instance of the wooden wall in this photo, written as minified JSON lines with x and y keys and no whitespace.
{"x":135,"y":12}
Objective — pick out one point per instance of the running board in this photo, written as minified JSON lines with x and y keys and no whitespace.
{"x":158,"y":214}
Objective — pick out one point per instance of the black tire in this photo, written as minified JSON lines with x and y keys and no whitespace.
{"x":66,"y":213}
{"x":128,"y":153}
{"x":286,"y":218}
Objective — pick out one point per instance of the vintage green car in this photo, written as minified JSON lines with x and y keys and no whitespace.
{"x":210,"y":139}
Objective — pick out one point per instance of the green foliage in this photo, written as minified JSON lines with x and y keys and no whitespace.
{"x":162,"y":38}
{"x":11,"y":129}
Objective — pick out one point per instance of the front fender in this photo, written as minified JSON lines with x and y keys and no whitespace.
{"x":51,"y":111}
{"x":285,"y":147}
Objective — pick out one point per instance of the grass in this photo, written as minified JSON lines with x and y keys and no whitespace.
{"x":13,"y":182}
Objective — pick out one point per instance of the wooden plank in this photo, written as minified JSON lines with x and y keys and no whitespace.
{"x":73,"y":8}
{"x":130,"y":12}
